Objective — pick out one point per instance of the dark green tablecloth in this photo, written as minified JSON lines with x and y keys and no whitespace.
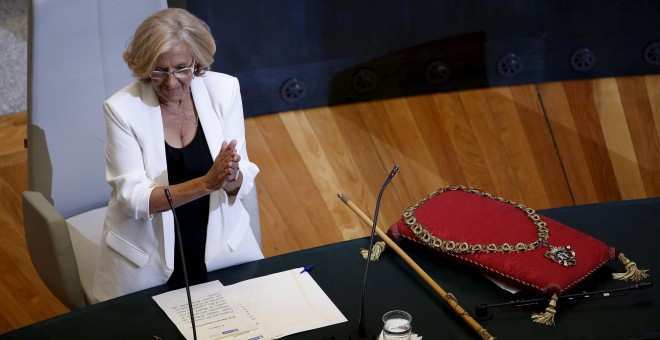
{"x":633,"y":226}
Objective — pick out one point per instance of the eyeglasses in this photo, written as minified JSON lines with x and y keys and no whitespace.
{"x":179,"y":73}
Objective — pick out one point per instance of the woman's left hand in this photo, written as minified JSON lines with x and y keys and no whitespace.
{"x":229,"y":158}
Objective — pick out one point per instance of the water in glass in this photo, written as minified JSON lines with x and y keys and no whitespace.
{"x":396,"y":325}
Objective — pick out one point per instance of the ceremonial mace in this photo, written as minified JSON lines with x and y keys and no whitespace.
{"x":448,"y":298}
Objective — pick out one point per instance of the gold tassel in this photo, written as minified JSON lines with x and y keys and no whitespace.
{"x":547,"y":317}
{"x":632,"y":272}
{"x":376,"y":250}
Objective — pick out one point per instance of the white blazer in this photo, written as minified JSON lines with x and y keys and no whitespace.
{"x":137,"y":251}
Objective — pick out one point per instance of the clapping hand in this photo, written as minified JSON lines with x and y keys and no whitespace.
{"x":225,"y":166}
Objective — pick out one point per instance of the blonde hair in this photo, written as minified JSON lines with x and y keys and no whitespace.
{"x":160,"y":33}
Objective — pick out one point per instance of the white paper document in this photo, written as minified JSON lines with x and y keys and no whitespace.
{"x":216,"y":316}
{"x":267,"y":307}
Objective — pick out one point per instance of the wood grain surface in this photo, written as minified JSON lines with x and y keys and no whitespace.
{"x":543,"y":145}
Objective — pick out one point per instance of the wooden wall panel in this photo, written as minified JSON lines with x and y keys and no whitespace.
{"x":617,"y":138}
{"x":438,"y":140}
{"x":642,"y":127}
{"x":606,"y":135}
{"x":396,"y":140}
{"x":590,"y":132}
{"x":464,"y":142}
{"x":290,"y":186}
{"x":360,"y":144}
{"x":566,"y":137}
{"x":325,"y":154}
{"x":12,"y":134}
{"x":518,"y":151}
{"x":502,"y":177}
{"x":542,"y":147}
{"x":653,"y":92}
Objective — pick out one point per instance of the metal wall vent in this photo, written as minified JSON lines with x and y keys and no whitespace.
{"x":437,"y":72}
{"x":652,"y":53}
{"x":509,"y":65}
{"x":292,"y":90}
{"x":583,"y":60}
{"x":364,"y":81}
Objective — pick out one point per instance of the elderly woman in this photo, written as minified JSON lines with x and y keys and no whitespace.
{"x":180,"y":127}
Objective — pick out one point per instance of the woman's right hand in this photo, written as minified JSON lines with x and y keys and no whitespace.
{"x":225,"y":166}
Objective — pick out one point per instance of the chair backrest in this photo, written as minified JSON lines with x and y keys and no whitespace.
{"x":75,"y":63}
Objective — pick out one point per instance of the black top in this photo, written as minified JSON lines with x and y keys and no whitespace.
{"x":191,"y":161}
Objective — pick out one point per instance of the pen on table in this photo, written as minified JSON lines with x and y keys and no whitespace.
{"x":307,"y":268}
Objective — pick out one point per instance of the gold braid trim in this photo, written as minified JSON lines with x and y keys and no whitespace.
{"x":632,"y":272}
{"x":376,"y":250}
{"x":459,"y":247}
{"x":547,"y":317}
{"x":479,"y":265}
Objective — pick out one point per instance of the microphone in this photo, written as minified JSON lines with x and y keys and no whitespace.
{"x":183,"y":261}
{"x":361,"y":332}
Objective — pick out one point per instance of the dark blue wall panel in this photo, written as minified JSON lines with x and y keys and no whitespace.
{"x":297,"y":54}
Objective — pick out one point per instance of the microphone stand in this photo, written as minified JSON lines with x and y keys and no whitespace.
{"x":183,"y":261}
{"x":361,"y":332}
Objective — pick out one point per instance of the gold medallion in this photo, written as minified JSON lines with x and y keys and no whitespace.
{"x":562,"y":255}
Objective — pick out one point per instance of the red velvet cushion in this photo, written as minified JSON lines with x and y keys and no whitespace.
{"x":469,"y":217}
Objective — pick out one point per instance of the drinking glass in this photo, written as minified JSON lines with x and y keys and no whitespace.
{"x":397,"y":325}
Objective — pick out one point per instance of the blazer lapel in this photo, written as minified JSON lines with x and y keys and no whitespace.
{"x":211,"y":120}
{"x":156,"y":163}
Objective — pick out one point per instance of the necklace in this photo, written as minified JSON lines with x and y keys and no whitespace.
{"x":563,"y":255}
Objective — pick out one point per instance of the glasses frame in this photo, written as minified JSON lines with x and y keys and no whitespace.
{"x":176,"y":73}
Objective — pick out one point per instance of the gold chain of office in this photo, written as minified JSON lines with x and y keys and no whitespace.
{"x":563,"y":255}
